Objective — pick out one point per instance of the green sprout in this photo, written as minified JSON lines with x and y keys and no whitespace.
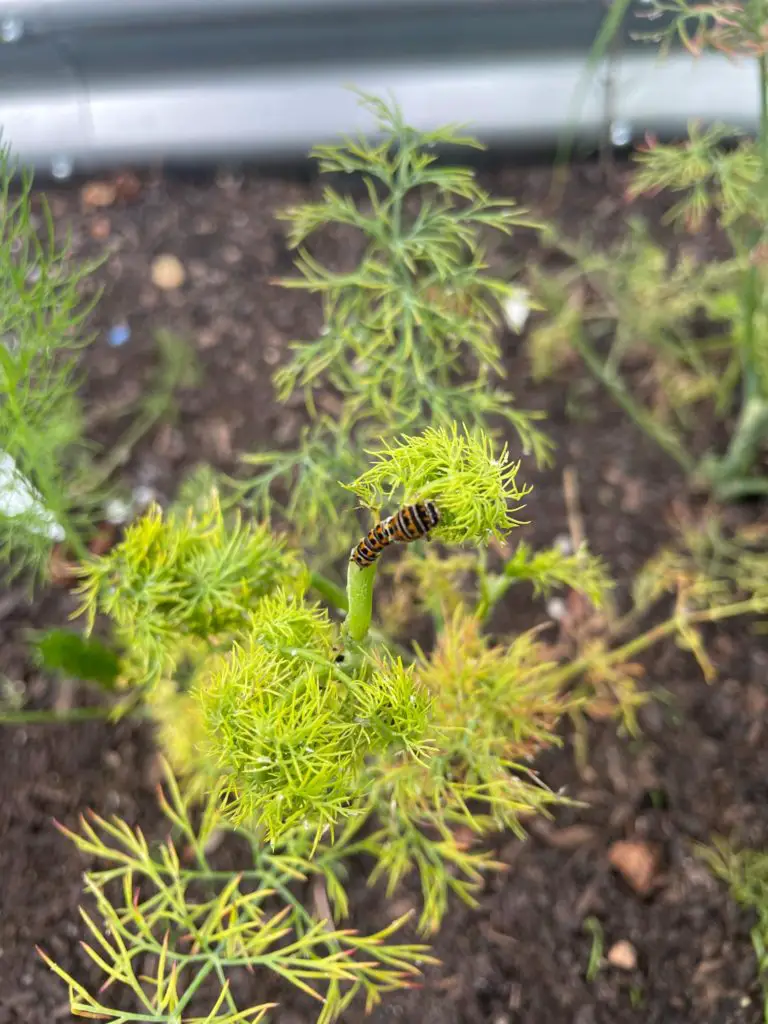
{"x":593,"y":927}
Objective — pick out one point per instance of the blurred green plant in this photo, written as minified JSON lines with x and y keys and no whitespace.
{"x":183,"y":576}
{"x":52,"y":481}
{"x":68,"y":652}
{"x":42,"y":447}
{"x":410,"y":332}
{"x":691,"y":333}
{"x":746,"y":874}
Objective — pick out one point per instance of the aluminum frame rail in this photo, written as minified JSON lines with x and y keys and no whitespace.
{"x":92,"y":83}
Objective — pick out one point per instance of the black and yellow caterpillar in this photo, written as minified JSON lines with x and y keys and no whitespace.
{"x":407,"y":524}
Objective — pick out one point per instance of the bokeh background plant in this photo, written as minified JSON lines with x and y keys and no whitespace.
{"x":55,"y":481}
{"x":672,"y":337}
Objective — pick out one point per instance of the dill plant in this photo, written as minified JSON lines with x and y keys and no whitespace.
{"x":303,"y":739}
{"x":410,"y":331}
{"x":41,"y":421}
{"x":311,"y":738}
{"x":53,"y":479}
{"x":697,"y":328}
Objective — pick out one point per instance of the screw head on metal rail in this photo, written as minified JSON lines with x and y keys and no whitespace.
{"x":620,"y":133}
{"x":62,"y":168}
{"x":11,"y":29}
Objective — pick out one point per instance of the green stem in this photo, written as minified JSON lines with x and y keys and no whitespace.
{"x":360,"y":600}
{"x":332,"y":593}
{"x":762,"y":64}
{"x":657,"y":633}
{"x":55,"y":717}
{"x":734,"y":469}
{"x":729,"y":476}
{"x":664,"y":438}
{"x":746,"y":487}
{"x":121,"y":452}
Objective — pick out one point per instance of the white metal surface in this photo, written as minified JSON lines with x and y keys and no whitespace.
{"x":664,"y":95}
{"x":283,"y":113}
{"x":48,"y":15}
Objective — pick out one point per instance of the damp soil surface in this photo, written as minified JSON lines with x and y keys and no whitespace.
{"x":698,"y":767}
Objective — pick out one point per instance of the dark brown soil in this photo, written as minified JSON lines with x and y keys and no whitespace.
{"x":699,"y":767}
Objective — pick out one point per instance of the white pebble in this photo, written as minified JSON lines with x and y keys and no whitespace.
{"x":556,"y":609}
{"x":516,"y":309}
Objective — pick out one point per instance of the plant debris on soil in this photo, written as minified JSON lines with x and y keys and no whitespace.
{"x":197,"y":257}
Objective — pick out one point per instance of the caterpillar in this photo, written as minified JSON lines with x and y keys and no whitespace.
{"x":407,"y":524}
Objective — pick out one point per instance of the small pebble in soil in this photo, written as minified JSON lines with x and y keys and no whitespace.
{"x":638,"y":862}
{"x":127,"y":186}
{"x":563,"y":544}
{"x":118,"y":335}
{"x":143,"y":496}
{"x":556,"y":609}
{"x":231,"y":254}
{"x":168,"y":272}
{"x":100,"y":228}
{"x":117,"y":511}
{"x":623,"y":955}
{"x":207,"y":338}
{"x":98,"y":193}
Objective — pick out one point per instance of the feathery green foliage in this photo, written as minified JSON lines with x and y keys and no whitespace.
{"x":326,"y":746}
{"x":630,"y":309}
{"x":182,"y":575}
{"x":198,"y":927}
{"x":307,"y":741}
{"x":410,"y":335}
{"x":288,"y":750}
{"x":457,"y":469}
{"x":52,"y":484}
{"x":41,"y":421}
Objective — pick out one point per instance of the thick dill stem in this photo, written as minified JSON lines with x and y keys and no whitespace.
{"x":360,"y":600}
